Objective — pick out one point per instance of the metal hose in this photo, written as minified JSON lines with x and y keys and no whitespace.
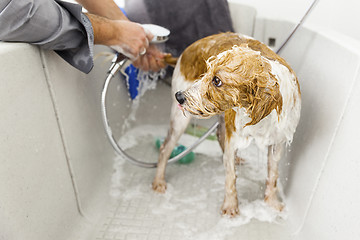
{"x":298,"y":25}
{"x":115,"y":67}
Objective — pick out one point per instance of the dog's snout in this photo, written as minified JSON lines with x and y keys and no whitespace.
{"x":180,"y":97}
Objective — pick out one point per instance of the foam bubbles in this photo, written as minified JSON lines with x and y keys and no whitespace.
{"x":190,"y":208}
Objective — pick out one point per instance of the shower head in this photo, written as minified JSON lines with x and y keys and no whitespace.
{"x":161,"y":34}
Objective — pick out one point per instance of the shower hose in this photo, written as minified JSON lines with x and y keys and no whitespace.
{"x":118,"y":62}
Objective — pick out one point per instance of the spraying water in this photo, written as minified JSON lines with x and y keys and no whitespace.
{"x":147,"y":81}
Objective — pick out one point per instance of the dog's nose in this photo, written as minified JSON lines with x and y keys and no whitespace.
{"x":180,"y":97}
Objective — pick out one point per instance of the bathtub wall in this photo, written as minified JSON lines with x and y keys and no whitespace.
{"x":324,"y":170}
{"x":320,"y":171}
{"x":55,"y":160}
{"x":340,"y":16}
{"x":56,"y":163}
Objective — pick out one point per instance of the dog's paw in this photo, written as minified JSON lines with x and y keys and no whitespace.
{"x":159,"y":186}
{"x":230,"y":211}
{"x":274,"y":203}
{"x":230,"y":208}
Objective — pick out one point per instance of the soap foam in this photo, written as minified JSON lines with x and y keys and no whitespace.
{"x":191,"y":205}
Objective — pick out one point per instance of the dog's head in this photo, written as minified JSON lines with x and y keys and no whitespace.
{"x":239,"y":77}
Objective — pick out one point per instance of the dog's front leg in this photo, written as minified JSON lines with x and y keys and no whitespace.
{"x":178,"y":123}
{"x":220,"y":133}
{"x":274,"y":156}
{"x":230,"y":206}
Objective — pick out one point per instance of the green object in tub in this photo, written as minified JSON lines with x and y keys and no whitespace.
{"x":177,"y":150}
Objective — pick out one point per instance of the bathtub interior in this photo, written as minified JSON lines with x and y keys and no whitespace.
{"x":60,"y":178}
{"x":310,"y":160}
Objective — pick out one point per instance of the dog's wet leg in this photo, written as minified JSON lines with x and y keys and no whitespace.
{"x":274,"y":155}
{"x":220,"y":132}
{"x":230,"y":206}
{"x":178,"y":125}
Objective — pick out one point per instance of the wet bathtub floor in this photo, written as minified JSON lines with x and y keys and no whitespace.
{"x":190,"y":209}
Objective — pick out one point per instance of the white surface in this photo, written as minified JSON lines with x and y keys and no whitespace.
{"x":328,"y":71}
{"x":340,"y":16}
{"x":335,"y":194}
{"x":76,"y":98}
{"x":36,"y":193}
{"x":51,"y":137}
{"x":243,"y":18}
{"x":277,"y":9}
{"x":190,"y":209}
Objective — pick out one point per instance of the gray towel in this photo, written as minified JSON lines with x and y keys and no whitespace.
{"x":188,"y":20}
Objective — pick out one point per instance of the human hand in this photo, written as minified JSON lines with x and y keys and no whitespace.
{"x":130,"y":39}
{"x":153,"y":60}
{"x":135,"y":45}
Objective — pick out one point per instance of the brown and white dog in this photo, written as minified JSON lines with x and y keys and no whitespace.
{"x":255,"y":91}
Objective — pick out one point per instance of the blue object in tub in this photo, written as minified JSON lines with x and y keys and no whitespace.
{"x":132,"y":72}
{"x":133,"y":82}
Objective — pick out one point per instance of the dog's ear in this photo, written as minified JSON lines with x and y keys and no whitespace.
{"x":262,"y":96}
{"x":170,"y":60}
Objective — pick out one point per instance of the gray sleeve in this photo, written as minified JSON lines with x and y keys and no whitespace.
{"x":50,"y":24}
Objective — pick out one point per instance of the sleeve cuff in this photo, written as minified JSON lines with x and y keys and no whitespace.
{"x":82,"y":56}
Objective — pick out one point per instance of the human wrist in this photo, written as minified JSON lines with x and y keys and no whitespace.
{"x":104,"y":29}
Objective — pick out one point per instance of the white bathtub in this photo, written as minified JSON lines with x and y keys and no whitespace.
{"x":56,"y":163}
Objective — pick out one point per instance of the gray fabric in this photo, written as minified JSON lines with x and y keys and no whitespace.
{"x":50,"y":24}
{"x":136,"y":11}
{"x":188,"y":20}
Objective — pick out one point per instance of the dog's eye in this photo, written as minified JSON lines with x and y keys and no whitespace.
{"x":217,"y":82}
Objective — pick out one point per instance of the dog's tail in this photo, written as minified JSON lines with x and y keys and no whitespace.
{"x":170,"y":60}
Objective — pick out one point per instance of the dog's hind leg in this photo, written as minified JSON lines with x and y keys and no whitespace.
{"x":220,"y":132}
{"x":274,"y":156}
{"x":178,"y":123}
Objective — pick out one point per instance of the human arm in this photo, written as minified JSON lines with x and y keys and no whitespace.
{"x":127,"y":37}
{"x":62,"y":27}
{"x":54,"y":25}
{"x":124,"y":36}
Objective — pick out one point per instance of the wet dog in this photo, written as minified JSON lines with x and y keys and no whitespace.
{"x":255,"y":92}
